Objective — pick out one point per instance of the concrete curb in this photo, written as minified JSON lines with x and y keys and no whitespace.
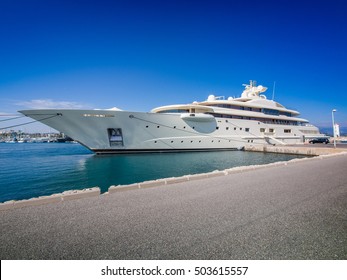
{"x":7,"y":205}
{"x":38,"y":201}
{"x":92,"y":192}
{"x":175,"y":180}
{"x":293,"y":150}
{"x":76,"y":194}
{"x":216,"y":173}
{"x":121,"y":188}
{"x":54,"y":198}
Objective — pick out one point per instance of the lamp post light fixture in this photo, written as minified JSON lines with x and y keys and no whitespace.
{"x":332,"y":116}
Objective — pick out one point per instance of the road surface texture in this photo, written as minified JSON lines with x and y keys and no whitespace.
{"x":294,"y":211}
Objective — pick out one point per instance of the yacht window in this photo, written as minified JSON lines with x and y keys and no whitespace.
{"x":287,"y":131}
{"x":262,"y":130}
{"x":286,"y":114}
{"x":247,"y":129}
{"x":270,"y":112}
{"x":174,"y":111}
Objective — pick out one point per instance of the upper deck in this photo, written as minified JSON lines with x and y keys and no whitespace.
{"x":251,"y":105}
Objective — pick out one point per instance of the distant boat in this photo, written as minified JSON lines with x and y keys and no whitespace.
{"x":40,"y":140}
{"x":214,"y":124}
{"x":64,"y":139}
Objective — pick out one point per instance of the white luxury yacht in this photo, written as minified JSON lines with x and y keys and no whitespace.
{"x":214,"y":124}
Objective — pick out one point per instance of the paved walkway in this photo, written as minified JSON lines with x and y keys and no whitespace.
{"x":294,"y":211}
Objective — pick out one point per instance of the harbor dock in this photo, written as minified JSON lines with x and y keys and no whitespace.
{"x":286,"y":210}
{"x":303,"y":149}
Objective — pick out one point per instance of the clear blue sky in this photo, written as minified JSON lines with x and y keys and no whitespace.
{"x":136,"y":55}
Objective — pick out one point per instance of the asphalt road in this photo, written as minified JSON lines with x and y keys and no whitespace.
{"x":294,"y":211}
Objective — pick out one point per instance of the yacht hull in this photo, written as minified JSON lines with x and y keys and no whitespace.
{"x":107,"y":131}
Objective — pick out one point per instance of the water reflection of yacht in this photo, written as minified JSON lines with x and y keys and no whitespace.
{"x":214,"y":124}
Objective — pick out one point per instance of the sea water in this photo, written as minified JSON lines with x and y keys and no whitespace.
{"x":34,"y":169}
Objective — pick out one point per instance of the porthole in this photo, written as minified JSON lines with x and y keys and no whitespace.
{"x":146,"y":126}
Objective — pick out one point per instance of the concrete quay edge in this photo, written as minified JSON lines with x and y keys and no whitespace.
{"x":54,"y":198}
{"x":215,"y":173}
{"x":95,"y":191}
{"x":294,"y":150}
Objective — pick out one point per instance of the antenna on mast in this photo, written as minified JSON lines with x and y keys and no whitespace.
{"x":273,"y":91}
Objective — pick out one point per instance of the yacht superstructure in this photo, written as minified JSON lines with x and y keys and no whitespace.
{"x":214,"y":124}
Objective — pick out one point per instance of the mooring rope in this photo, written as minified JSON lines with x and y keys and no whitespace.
{"x":10,"y":119}
{"x":11,"y":126}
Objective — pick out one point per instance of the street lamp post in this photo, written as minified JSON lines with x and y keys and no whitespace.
{"x":332,"y":116}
